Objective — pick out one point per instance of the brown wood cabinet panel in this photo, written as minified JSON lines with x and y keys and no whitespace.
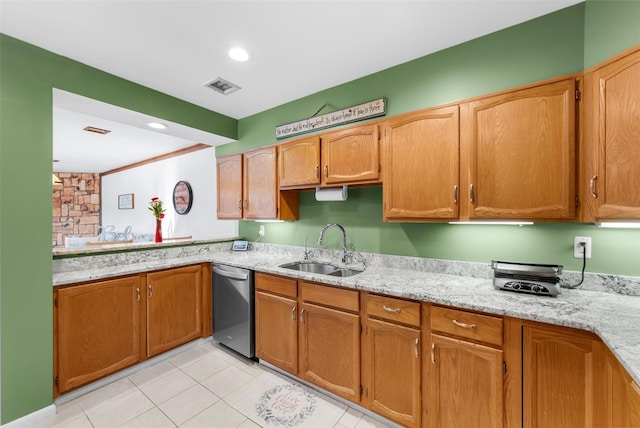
{"x":277,"y":285}
{"x":559,"y":374}
{"x":329,"y":344}
{"x":479,"y":327}
{"x":335,"y":297}
{"x":421,"y":165}
{"x":465,"y":384}
{"x":174,"y":301}
{"x":394,"y":310}
{"x":260,"y":184}
{"x":277,"y":331}
{"x":299,"y":163}
{"x":229,"y":186}
{"x":392,"y":367}
{"x":98,"y":330}
{"x":351,"y":156}
{"x":612,"y":93}
{"x":618,"y":395}
{"x":521,"y":154}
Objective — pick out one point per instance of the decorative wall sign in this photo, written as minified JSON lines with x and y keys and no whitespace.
{"x":339,"y":117}
{"x":125,"y":202}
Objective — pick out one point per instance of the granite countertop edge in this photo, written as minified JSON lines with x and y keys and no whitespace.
{"x":613,"y":317}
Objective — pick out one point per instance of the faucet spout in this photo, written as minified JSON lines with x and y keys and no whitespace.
{"x":344,"y":238}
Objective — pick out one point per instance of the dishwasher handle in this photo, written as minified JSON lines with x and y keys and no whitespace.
{"x":233,"y":275}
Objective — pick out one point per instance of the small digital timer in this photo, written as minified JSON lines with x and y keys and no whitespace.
{"x":240,"y":245}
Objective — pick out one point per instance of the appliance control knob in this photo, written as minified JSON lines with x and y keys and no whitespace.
{"x":536,"y":289}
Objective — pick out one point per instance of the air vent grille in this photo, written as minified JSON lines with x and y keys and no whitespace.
{"x":222,"y":86}
{"x":96,"y":130}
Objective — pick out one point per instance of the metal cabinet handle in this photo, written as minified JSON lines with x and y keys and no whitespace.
{"x":388,"y":309}
{"x":137,"y":294}
{"x":433,"y":353}
{"x":463,"y":325}
{"x":150,"y":290}
{"x":239,"y":203}
{"x":471,"y":193}
{"x":293,"y":313}
{"x":455,"y":194}
{"x":326,"y":171}
{"x":416,"y":348}
{"x":244,"y":204}
{"x":317,"y":171}
{"x":302,"y":316}
{"x":592,"y":186}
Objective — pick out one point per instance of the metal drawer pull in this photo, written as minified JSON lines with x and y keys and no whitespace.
{"x":388,"y":309}
{"x":317,"y":171}
{"x":326,"y":170}
{"x":455,"y":194}
{"x":592,"y":186}
{"x":239,"y":203}
{"x":137,"y":294}
{"x":416,"y":348}
{"x":471,"y":193}
{"x":150,"y":291}
{"x":293,"y":313}
{"x":433,"y":353}
{"x":302,"y":316}
{"x":463,"y":325}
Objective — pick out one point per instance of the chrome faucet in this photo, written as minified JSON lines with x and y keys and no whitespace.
{"x":306,"y":251}
{"x":345,"y":255}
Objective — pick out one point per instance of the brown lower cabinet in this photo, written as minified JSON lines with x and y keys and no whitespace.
{"x":103,"y":326}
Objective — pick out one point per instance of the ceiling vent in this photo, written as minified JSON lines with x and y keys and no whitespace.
{"x":223,"y":86}
{"x":96,"y":130}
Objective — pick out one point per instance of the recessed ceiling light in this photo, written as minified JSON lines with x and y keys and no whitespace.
{"x":239,"y":54}
{"x":156,"y":125}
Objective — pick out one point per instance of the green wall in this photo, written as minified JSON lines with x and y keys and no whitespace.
{"x":27,"y":76}
{"x":552,"y":45}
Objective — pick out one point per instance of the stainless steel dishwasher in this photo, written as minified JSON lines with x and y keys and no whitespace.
{"x":233,"y":308}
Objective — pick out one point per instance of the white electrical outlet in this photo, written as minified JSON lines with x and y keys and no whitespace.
{"x":261,"y":230}
{"x":578,"y":248}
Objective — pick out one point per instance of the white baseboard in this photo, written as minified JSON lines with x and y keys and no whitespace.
{"x":32,"y":418}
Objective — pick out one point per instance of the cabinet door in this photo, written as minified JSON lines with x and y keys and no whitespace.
{"x":392,"y":363}
{"x":351,"y":156}
{"x":521,"y":154}
{"x":616,"y":117}
{"x":299,"y":163}
{"x":326,"y":362}
{"x":229,"y":185}
{"x":621,"y":397}
{"x":173,"y":308}
{"x":421,"y":165}
{"x":97,"y":330}
{"x":465,"y":384}
{"x":277,"y":331}
{"x":260,"y":184}
{"x":559,"y":372}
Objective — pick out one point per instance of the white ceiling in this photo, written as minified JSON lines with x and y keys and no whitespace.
{"x":297,"y":47}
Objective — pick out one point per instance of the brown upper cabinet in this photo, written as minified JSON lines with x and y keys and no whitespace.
{"x":348,"y":156}
{"x":518,"y":154}
{"x":421,"y":165}
{"x":611,"y":180}
{"x":255,"y":195}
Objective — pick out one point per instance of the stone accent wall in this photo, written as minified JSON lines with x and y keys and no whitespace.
{"x":76,"y":206}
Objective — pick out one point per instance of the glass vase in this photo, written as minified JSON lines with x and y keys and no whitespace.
{"x":158,"y":230}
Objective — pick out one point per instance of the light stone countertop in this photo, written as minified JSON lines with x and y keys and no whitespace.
{"x":615,"y":318}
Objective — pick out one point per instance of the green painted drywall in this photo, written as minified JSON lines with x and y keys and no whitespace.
{"x":28,"y":75}
{"x":611,"y":27}
{"x":546,"y":47}
{"x":614,"y":251}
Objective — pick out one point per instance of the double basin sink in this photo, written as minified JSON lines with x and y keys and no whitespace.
{"x":321,"y":268}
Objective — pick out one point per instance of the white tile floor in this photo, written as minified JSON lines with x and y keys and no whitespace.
{"x":206,"y":386}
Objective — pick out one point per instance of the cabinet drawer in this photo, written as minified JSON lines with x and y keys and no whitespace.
{"x":277,"y":285}
{"x":330,"y":296}
{"x":397,"y":310}
{"x":483,"y":328}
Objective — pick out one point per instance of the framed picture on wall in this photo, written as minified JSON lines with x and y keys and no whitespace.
{"x":125,"y":202}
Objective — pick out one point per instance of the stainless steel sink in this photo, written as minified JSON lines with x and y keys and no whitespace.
{"x":344,"y":272}
{"x":322,"y":268}
{"x":312,"y":267}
